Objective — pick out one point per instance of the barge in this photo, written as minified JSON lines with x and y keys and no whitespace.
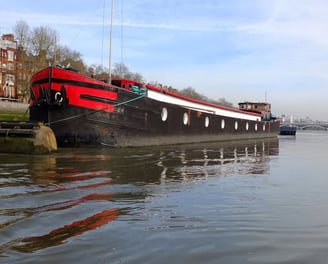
{"x":83,"y":111}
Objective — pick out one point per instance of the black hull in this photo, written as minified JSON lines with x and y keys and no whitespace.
{"x":287,"y":130}
{"x":140,"y":123}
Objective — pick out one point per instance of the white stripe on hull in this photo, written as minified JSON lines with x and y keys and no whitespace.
{"x":199,"y":107}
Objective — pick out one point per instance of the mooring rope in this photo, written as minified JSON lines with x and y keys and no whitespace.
{"x":97,"y":110}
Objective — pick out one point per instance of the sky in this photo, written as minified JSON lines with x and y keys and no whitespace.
{"x":254,"y":50}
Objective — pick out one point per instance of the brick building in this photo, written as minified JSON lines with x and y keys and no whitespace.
{"x":14,"y":70}
{"x":8,"y":51}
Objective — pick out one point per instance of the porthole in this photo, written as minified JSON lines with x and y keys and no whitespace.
{"x":263,"y":127}
{"x":255,"y":127}
{"x":222,"y":124}
{"x":164,"y":114}
{"x":207,"y":121}
{"x":247,"y":126}
{"x":236,"y":125}
{"x":185,"y":119}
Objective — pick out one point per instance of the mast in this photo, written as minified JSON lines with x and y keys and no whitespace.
{"x":110,"y":44}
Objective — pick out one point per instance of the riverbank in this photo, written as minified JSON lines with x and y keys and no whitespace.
{"x":11,"y":111}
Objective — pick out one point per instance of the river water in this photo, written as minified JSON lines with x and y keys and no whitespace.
{"x":257,"y":201}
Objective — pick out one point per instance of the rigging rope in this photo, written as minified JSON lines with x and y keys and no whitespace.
{"x":97,"y":110}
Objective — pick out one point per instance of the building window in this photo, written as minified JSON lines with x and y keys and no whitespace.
{"x":10,"y":55}
{"x":11,"y":66}
{"x":10,"y":79}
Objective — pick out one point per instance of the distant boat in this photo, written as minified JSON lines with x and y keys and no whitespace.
{"x":288,"y":130}
{"x":85,"y":112}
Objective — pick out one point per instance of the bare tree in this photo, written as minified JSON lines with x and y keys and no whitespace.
{"x":122,"y":71}
{"x":99,"y":72}
{"x":43,"y":46}
{"x":44,"y":40}
{"x":66,"y":57}
{"x":22,"y":33}
{"x":191,"y":92}
{"x":37,"y":48}
{"x":24,"y":63}
{"x":222,"y":102}
{"x":137,"y":77}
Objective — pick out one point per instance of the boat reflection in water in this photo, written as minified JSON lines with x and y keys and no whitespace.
{"x":225,"y":160}
{"x":189,"y":162}
{"x":60,"y":235}
{"x":47,"y":200}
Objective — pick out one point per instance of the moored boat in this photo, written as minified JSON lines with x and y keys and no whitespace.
{"x":287,"y":130}
{"x":83,"y":111}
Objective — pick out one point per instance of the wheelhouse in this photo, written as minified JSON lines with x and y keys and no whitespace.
{"x":261,"y":108}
